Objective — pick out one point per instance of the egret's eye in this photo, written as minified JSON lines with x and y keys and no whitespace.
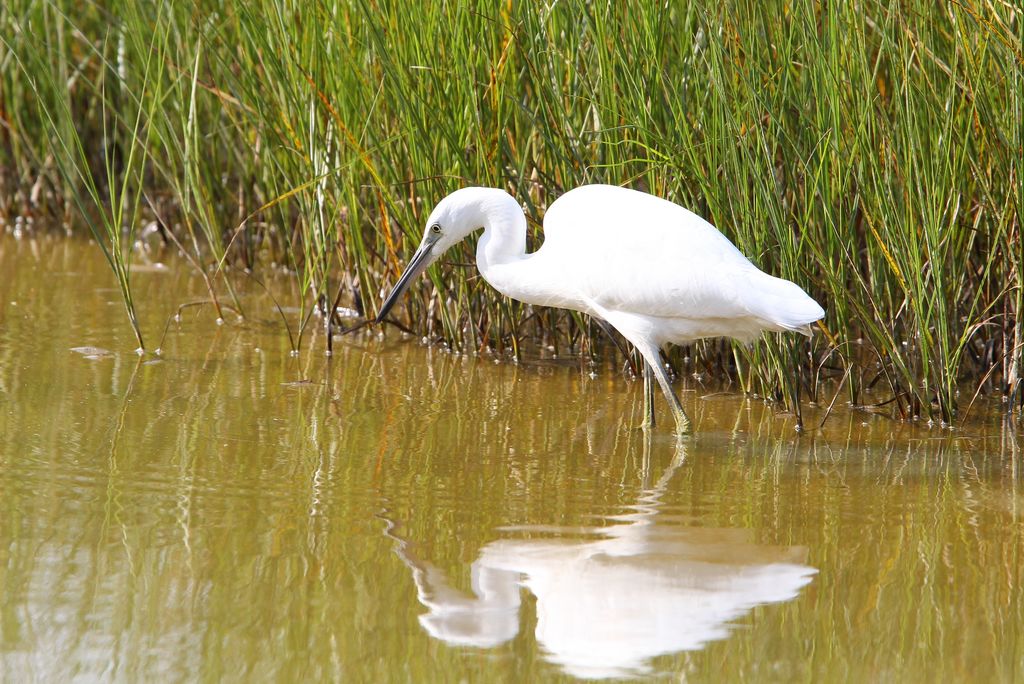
{"x":435,"y":229}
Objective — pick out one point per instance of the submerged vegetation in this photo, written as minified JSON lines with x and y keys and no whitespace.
{"x":871,"y":152}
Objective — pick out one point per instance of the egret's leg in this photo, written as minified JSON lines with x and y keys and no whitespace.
{"x":648,"y":396}
{"x":636,"y":331}
{"x":682,"y":422}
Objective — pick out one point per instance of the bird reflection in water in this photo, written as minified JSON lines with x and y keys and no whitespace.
{"x":609,"y":603}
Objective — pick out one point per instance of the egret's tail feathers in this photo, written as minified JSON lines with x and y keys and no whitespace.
{"x":783,"y":304}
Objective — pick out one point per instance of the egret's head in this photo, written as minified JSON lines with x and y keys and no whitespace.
{"x":454,"y":217}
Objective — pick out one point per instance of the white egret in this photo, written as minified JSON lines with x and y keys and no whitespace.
{"x":651,"y":269}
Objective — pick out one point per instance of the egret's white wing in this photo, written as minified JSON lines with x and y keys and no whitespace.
{"x":632,"y":252}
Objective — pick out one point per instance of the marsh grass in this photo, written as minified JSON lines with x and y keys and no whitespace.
{"x":871,"y":152}
{"x":102,"y":176}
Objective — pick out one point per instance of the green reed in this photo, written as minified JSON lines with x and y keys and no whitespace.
{"x":99,"y":165}
{"x":870,"y":152}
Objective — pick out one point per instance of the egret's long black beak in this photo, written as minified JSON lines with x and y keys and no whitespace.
{"x":417,"y":265}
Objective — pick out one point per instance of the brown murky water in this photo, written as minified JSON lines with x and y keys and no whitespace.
{"x":226,"y":511}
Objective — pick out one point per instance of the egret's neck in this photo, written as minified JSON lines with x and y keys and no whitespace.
{"x":501,"y":252}
{"x":504,"y":238}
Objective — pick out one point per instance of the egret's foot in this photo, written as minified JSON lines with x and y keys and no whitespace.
{"x":682,"y":423}
{"x":645,"y":425}
{"x":647,"y":422}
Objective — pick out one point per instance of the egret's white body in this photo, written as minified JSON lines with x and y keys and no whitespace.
{"x":653,"y":270}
